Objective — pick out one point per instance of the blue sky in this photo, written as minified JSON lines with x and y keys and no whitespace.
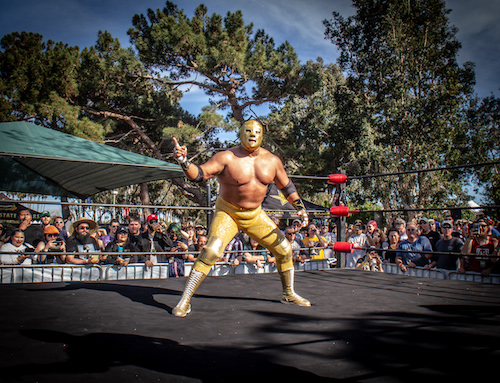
{"x":76,"y":22}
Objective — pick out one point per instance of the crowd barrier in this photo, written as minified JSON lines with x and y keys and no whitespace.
{"x":138,"y":271}
{"x":79,"y":273}
{"x":392,"y":268}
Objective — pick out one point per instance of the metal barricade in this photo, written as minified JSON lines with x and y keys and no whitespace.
{"x":392,"y":268}
{"x":474,"y":277}
{"x":49,"y":273}
{"x":134,"y":271}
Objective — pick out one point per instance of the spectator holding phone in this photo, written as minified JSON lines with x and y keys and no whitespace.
{"x":483,"y":246}
{"x":50,"y":244}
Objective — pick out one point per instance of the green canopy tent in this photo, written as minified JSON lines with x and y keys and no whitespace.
{"x":39,"y":160}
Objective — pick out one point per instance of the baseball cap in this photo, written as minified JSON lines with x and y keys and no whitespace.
{"x":121,"y":230}
{"x":424,"y":220}
{"x":152,"y":216}
{"x":447,"y":222}
{"x":49,"y":229}
{"x":45,"y":214}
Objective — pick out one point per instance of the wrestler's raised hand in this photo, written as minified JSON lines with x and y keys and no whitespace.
{"x":303,"y":217}
{"x":180,"y":152}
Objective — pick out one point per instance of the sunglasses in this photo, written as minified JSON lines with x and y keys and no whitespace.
{"x":83,"y":227}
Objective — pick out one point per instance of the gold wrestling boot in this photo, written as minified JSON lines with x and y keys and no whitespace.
{"x":183,"y":308}
{"x":289,"y":295}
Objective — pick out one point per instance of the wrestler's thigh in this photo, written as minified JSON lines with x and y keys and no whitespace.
{"x":223,"y":227}
{"x":265,"y":231}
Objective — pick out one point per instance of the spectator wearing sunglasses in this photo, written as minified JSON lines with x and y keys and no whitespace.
{"x":82,"y":242}
{"x":50,"y":244}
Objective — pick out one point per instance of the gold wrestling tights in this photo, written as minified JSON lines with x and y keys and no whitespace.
{"x":228,"y":220}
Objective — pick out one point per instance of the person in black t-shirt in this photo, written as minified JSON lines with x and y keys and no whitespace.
{"x":33,"y":233}
{"x":81,"y":241}
{"x":425,"y":229}
{"x":449,"y":244}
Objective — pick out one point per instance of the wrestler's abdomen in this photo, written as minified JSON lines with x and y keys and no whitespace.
{"x":244,"y":183}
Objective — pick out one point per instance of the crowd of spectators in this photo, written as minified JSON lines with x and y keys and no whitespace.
{"x":456,"y":245}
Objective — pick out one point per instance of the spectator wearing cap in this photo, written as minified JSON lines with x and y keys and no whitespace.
{"x":154,"y":241}
{"x":419,"y":246}
{"x":297,"y":225}
{"x":425,"y":229}
{"x":45,"y":218}
{"x":82,"y":242}
{"x":52,"y":243}
{"x":450,"y":244}
{"x":120,"y":244}
{"x":200,"y":230}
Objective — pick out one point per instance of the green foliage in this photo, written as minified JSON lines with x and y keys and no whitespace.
{"x":220,"y":55}
{"x":484,"y":134}
{"x":37,"y":82}
{"x":407,"y":94}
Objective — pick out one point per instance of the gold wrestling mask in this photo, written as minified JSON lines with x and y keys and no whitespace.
{"x":251,"y":134}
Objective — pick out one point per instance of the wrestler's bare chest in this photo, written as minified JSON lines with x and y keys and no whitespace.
{"x":248,"y":170}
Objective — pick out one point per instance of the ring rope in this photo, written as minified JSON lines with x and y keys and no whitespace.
{"x":402,"y":172}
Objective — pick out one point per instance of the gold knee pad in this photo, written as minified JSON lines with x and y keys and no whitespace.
{"x":210,"y":254}
{"x":284,"y":255}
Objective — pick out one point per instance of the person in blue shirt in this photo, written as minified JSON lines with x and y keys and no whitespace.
{"x":418,"y":243}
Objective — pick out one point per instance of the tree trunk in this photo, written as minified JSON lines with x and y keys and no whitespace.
{"x":144,"y":193}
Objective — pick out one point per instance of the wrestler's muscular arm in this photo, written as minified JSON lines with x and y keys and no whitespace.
{"x":281,"y":181}
{"x":211,"y":168}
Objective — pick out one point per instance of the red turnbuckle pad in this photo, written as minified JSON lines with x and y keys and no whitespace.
{"x":337,"y":179}
{"x":342,"y":211}
{"x":342,"y":247}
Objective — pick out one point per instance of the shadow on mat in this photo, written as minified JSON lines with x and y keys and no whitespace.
{"x":96,"y":353}
{"x":446,"y":343}
{"x":145,"y":294}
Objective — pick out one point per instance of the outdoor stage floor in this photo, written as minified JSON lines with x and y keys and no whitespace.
{"x":362,"y":327}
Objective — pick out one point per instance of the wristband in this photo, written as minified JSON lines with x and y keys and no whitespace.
{"x":299,"y":204}
{"x":184,"y":162}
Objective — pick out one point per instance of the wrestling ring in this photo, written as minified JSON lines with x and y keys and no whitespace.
{"x":361,"y":327}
